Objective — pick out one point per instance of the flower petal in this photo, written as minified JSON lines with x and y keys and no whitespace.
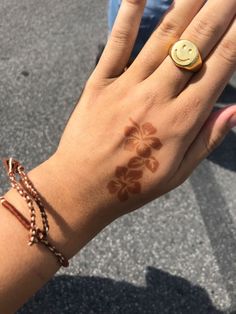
{"x":136,"y":162}
{"x":143,"y":150}
{"x":134,"y":187}
{"x":134,"y":175}
{"x":135,"y":124}
{"x":148,"y":129}
{"x":121,"y":172}
{"x":154,"y":142}
{"x":123,"y":194}
{"x":132,"y":131}
{"x":152,"y":164}
{"x":114,"y":186}
{"x":130,"y":144}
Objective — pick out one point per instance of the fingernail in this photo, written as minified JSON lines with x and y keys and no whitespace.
{"x":232,"y":121}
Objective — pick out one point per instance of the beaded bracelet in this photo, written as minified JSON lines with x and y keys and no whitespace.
{"x":28,"y":192}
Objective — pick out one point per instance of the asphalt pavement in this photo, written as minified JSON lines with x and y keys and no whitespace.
{"x":176,"y":254}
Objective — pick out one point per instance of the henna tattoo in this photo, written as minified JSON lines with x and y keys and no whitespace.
{"x":142,"y":140}
{"x":150,"y":163}
{"x":125,"y":183}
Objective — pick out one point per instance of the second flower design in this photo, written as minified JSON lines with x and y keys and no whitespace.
{"x":125,"y":183}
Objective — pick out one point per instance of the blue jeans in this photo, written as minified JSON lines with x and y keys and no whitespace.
{"x":152,"y":14}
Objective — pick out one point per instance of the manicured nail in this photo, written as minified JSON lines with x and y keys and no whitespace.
{"x":232,"y":121}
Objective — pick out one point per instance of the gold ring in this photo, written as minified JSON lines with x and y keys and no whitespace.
{"x":186,"y":55}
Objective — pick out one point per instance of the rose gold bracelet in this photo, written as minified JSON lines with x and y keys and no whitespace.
{"x":62,"y":260}
{"x":28,"y":191}
{"x":13,"y":168}
{"x":15,"y":212}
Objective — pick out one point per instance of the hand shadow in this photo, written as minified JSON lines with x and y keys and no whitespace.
{"x":163,"y":294}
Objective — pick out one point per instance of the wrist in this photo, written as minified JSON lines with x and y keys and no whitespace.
{"x":73,"y":219}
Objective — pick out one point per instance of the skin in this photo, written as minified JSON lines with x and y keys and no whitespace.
{"x":153,"y":94}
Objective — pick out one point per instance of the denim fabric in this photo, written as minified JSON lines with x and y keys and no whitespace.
{"x":152,"y":14}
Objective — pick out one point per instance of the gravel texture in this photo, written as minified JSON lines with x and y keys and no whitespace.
{"x":175,"y":255}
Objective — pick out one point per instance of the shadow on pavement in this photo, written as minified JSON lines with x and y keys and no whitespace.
{"x":163,"y":293}
{"x":225,"y":155}
{"x":229,"y":95}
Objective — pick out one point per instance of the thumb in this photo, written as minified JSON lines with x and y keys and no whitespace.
{"x":211,"y":135}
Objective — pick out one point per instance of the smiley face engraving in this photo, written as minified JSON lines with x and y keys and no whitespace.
{"x":184,"y":53}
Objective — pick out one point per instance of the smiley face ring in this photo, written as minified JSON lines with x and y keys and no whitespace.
{"x":186,"y":55}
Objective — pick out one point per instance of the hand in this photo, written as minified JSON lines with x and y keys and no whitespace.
{"x":136,"y":135}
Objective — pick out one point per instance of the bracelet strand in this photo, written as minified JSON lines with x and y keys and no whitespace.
{"x":28,"y":185}
{"x":62,"y":260}
{"x":13,"y":168}
{"x":29,"y":193}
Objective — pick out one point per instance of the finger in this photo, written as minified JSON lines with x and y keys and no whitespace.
{"x":121,"y":41}
{"x":217,"y":71}
{"x":211,"y":135}
{"x":205,"y":31}
{"x":206,"y":87}
{"x":170,"y":29}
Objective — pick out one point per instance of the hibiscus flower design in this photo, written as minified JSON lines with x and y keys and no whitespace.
{"x":138,"y":162}
{"x":125,"y":183}
{"x":141,"y":139}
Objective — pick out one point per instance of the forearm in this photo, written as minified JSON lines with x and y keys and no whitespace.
{"x":25,"y":269}
{"x":127,"y":142}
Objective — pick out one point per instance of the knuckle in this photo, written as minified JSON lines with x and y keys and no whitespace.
{"x":205,"y":28}
{"x":148,"y":98}
{"x":151,"y":98}
{"x":185,"y":117}
{"x":227,"y":51}
{"x":120,"y":36}
{"x":168,"y":27}
{"x":91,"y":84}
{"x":94,"y":85}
